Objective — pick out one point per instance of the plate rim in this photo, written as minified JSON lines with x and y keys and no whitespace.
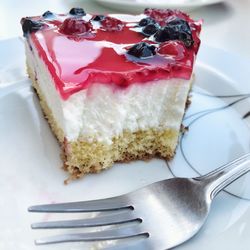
{"x":171,"y":4}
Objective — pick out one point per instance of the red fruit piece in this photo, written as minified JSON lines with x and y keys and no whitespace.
{"x":75,"y":26}
{"x":111,"y":24}
{"x":174,"y":49}
{"x":163,"y":15}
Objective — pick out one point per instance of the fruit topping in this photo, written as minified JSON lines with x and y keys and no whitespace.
{"x":77,"y":12}
{"x":146,"y":21}
{"x":142,"y":50}
{"x":165,"y":34}
{"x":177,"y":29}
{"x":111,"y":24}
{"x":29,"y":25}
{"x":173,"y":49}
{"x":182,"y":28}
{"x":187,"y":39}
{"x":75,"y":26}
{"x":162,"y":15}
{"x":150,"y":29}
{"x":179,"y":25}
{"x":98,"y":18}
{"x":47,"y":14}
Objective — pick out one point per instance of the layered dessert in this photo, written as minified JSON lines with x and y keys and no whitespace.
{"x":113,"y":87}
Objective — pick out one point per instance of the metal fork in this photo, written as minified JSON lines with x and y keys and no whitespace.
{"x":167,"y":212}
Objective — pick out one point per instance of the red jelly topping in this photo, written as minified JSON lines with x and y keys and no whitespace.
{"x":174,"y":49}
{"x":76,"y":60}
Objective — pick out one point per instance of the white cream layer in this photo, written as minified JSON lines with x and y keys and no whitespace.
{"x":102,"y":111}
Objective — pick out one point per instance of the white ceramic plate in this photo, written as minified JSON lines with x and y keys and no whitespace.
{"x":30,"y":162}
{"x":137,"y":6}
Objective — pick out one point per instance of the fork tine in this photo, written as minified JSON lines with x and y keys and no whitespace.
{"x":112,"y":234}
{"x":114,"y":203}
{"x":110,"y":219}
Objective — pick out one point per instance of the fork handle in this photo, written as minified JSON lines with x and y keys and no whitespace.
{"x":218,"y":179}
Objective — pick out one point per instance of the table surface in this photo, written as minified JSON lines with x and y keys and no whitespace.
{"x":226,"y":25}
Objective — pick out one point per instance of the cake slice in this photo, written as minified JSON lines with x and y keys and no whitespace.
{"x":113,"y":87}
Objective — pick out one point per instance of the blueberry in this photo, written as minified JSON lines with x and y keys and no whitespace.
{"x":150,"y":29}
{"x":177,"y":29}
{"x":98,"y":18}
{"x":47,"y":14}
{"x":180,"y":25}
{"x":186,"y":38}
{"x":29,"y":25}
{"x":146,"y":21}
{"x":165,"y":34}
{"x":142,"y":50}
{"x":77,"y":12}
{"x":183,"y":31}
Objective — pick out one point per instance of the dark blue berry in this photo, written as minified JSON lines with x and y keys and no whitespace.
{"x":47,"y":14}
{"x":150,"y":29}
{"x":180,"y":25}
{"x":183,"y":31}
{"x":98,"y":18}
{"x":186,"y":38}
{"x":142,"y":50}
{"x":29,"y":25}
{"x":177,"y":29}
{"x":77,"y":12}
{"x":146,"y":21}
{"x":165,"y":34}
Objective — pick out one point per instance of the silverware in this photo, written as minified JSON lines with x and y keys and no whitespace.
{"x":166,"y":213}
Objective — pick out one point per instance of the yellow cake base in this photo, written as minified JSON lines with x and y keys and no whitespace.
{"x":81,"y":157}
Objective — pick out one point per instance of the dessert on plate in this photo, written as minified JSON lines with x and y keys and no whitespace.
{"x":113,"y":87}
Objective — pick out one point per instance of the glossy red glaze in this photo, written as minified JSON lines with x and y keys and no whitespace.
{"x":76,"y":61}
{"x":176,"y":49}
